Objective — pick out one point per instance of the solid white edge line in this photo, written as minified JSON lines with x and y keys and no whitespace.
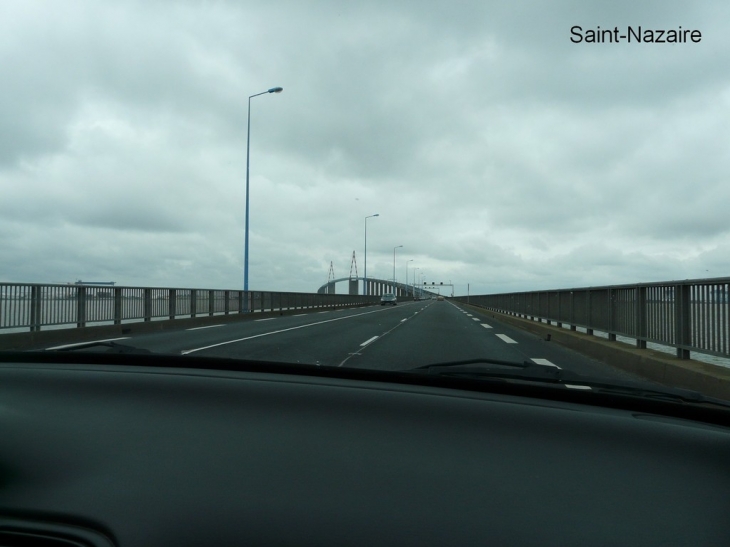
{"x":84,"y":343}
{"x":366,"y":342}
{"x":206,"y":327}
{"x":505,"y":338}
{"x":265,"y":319}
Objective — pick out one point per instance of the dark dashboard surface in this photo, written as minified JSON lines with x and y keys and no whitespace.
{"x":199,"y":457}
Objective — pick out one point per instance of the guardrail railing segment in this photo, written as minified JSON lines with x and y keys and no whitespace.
{"x":35,"y":306}
{"x":689,"y":315}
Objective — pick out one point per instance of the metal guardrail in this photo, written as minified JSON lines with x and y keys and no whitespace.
{"x":689,"y":315}
{"x":34,"y":306}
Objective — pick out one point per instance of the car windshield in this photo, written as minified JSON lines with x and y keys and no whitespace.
{"x":530,"y":182}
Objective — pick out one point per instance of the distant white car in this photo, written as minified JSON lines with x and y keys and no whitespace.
{"x":388,"y":298}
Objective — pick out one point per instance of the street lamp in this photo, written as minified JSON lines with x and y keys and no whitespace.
{"x":248,"y":149}
{"x":394,"y":248}
{"x":414,"y":280}
{"x":411,"y":260}
{"x":365,"y":278}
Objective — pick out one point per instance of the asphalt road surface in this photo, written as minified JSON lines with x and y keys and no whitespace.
{"x":400,"y":337}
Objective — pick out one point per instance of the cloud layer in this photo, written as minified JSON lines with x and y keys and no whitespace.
{"x":497,"y":152}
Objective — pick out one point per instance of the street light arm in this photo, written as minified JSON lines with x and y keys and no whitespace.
{"x":272,"y":90}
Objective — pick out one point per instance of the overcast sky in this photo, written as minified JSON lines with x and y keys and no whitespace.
{"x":496,"y":151}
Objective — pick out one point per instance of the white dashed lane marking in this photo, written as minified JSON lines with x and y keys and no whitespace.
{"x":506,"y":338}
{"x":207,"y":327}
{"x":475,"y":319}
{"x":366,"y":342}
{"x":486,"y":326}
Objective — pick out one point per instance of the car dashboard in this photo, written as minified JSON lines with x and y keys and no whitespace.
{"x":103,"y":451}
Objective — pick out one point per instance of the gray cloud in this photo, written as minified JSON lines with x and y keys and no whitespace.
{"x":495,"y":151}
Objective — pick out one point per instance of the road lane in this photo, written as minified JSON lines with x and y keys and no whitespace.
{"x":440,"y":333}
{"x":177,"y":341}
{"x":408,"y":335}
{"x":532,"y":347}
{"x":321,"y":338}
{"x":329,"y":343}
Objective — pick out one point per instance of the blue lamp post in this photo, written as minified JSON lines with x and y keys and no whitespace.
{"x":365,"y":278}
{"x":248,"y":150}
{"x":394,"y":248}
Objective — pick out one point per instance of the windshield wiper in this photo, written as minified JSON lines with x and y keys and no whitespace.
{"x":496,"y":370}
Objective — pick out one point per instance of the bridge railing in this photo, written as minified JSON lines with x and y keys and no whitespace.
{"x":30,"y":306}
{"x":689,"y":315}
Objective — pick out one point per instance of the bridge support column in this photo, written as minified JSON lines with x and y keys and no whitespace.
{"x":330,"y":288}
{"x":353,"y":287}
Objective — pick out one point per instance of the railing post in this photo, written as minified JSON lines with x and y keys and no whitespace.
{"x":559,"y":323}
{"x":81,"y":307}
{"x":682,"y":320}
{"x":117,"y":305}
{"x":640,"y":306}
{"x":572,"y":311}
{"x":589,"y":318}
{"x":193,"y":302}
{"x":173,"y":303}
{"x":211,"y":302}
{"x":611,"y":315}
{"x":227,"y":296}
{"x":148,"y":305}
{"x":35,"y":308}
